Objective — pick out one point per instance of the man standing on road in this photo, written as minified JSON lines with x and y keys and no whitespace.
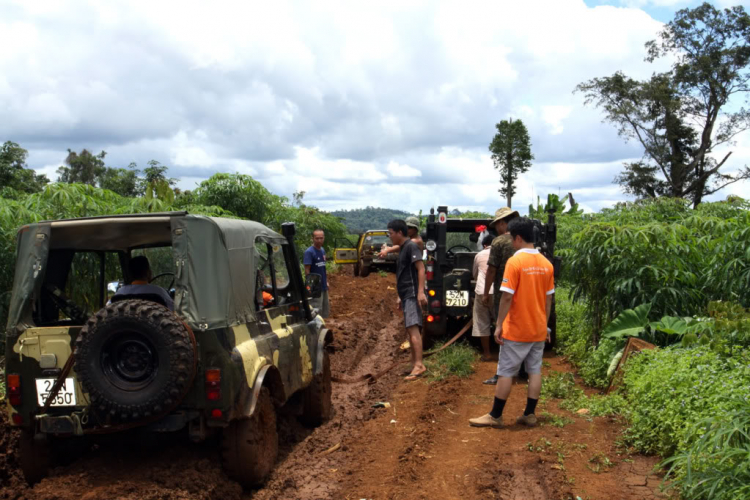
{"x":412,"y":229}
{"x":500,"y":252}
{"x":482,"y":314}
{"x":527,"y":288}
{"x":410,"y":288}
{"x":314,"y":261}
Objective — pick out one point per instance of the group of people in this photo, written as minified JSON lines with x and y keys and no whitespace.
{"x":514,"y":290}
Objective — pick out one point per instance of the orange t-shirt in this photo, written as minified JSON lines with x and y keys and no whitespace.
{"x":529,"y":277}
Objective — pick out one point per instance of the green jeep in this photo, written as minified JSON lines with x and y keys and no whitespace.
{"x":242,"y":340}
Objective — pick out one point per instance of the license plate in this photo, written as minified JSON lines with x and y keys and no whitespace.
{"x":456,"y":298}
{"x":66,"y":396}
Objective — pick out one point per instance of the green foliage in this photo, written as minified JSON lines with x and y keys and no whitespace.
{"x":559,"y":385}
{"x":681,"y":115}
{"x":455,"y":361}
{"x":629,"y":323}
{"x":511,"y":154}
{"x":597,"y":405}
{"x":15,"y":174}
{"x":661,"y":253}
{"x":671,"y":390}
{"x":554,"y":201}
{"x":717,"y":465}
{"x":555,"y":420}
{"x":364,"y":219}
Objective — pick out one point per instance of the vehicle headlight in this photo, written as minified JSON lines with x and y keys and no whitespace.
{"x":430,"y":245}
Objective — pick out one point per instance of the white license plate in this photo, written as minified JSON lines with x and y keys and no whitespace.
{"x":456,"y":298}
{"x":66,"y":396}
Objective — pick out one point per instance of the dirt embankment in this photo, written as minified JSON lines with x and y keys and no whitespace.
{"x":366,"y":336}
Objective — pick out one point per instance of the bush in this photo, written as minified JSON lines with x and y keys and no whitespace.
{"x":717,"y":466}
{"x":671,"y":390}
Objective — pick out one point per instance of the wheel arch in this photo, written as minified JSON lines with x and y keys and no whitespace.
{"x":269,"y":377}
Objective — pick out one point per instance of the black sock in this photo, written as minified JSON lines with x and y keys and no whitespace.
{"x":530,"y":406}
{"x":497,"y":408}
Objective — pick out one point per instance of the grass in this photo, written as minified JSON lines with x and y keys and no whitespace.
{"x":599,"y":463}
{"x":455,"y":361}
{"x":555,"y":420}
{"x":382,"y":274}
{"x":559,"y":385}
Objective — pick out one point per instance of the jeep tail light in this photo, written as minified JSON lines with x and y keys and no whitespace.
{"x":430,"y":273}
{"x":216,"y":413}
{"x":435,"y":305}
{"x":430,"y":318}
{"x":17,"y":419}
{"x":13,"y":381}
{"x":213,"y":384}
{"x":431,"y":293}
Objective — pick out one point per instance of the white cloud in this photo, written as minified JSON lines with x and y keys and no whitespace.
{"x":380,"y":103}
{"x":397,"y":170}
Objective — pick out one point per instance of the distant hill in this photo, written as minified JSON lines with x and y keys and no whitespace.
{"x":360,"y":220}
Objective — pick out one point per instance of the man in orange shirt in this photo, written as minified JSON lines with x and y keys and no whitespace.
{"x":527,"y":288}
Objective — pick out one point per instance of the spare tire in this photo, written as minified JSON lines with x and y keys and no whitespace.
{"x":136,"y":360}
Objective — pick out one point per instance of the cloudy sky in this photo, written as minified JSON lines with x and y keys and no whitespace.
{"x":386,"y":103}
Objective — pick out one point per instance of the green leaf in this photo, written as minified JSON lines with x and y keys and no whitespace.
{"x":629,"y":323}
{"x":670,"y":325}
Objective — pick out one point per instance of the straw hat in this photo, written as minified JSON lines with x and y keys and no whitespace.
{"x":503,"y":213}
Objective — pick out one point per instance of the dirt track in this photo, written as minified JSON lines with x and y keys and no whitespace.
{"x":429,"y":452}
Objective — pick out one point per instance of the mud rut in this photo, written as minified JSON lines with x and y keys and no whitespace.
{"x":428,"y":452}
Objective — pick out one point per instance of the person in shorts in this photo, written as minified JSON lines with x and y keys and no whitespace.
{"x":410,"y":288}
{"x":482,"y":314}
{"x":527,"y":287}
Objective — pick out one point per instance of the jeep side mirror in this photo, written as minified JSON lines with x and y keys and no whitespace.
{"x":313,"y":286}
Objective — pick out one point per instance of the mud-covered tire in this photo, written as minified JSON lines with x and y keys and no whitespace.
{"x":249,"y":446}
{"x":35,"y":457}
{"x":364,"y":269}
{"x":317,"y":406}
{"x":356,"y":269}
{"x":136,"y":360}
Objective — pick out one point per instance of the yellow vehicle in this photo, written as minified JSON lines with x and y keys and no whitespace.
{"x":365,"y":255}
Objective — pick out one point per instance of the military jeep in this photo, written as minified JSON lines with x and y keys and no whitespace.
{"x":242,"y":340}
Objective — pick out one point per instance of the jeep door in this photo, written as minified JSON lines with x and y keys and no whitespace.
{"x":282,"y":317}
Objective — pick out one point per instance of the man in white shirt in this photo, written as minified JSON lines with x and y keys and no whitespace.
{"x":482,"y":314}
{"x":140,"y":273}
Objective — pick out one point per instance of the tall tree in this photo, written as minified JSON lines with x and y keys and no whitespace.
{"x":123,"y":181}
{"x":157,"y":184}
{"x":15,"y":174}
{"x":511,"y":154}
{"x":82,"y":168}
{"x":681,"y":116}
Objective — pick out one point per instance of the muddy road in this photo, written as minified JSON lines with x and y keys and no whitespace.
{"x":420,"y":447}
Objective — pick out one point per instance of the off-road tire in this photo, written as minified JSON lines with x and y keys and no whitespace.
{"x":356,"y":269}
{"x":35,"y":457}
{"x":317,"y":406}
{"x":249,"y":446}
{"x":364,"y":269}
{"x":136,"y":360}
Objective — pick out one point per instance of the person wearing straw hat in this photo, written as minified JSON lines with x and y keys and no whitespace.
{"x":412,"y":228}
{"x":500,"y":251}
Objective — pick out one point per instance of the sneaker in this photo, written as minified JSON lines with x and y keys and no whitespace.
{"x":486,"y":421}
{"x":491,"y":381}
{"x":528,"y":420}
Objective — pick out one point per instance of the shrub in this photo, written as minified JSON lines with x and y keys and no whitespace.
{"x":671,"y":390}
{"x":717,"y":465}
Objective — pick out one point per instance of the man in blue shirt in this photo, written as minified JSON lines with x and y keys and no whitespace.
{"x":314,"y":261}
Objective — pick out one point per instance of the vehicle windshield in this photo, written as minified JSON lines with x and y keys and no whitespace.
{"x":377,"y":239}
{"x":460,"y":240}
